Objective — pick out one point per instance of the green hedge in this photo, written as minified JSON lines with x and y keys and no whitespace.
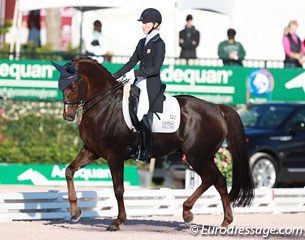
{"x":35,"y":132}
{"x":35,"y":135}
{"x":38,"y":139}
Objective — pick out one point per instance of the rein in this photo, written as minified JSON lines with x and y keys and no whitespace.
{"x":103,"y":95}
{"x":82,"y":102}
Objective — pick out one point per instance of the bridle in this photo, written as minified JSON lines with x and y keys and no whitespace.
{"x":79,"y":97}
{"x":81,"y":91}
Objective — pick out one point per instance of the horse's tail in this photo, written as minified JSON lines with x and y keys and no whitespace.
{"x":242,"y":191}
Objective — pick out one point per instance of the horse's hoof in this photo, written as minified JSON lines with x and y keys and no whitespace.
{"x":189,"y":218}
{"x":113,"y":228}
{"x":225,"y":224}
{"x":76,"y":215}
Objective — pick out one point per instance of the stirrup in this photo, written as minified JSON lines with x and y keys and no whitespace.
{"x":144,"y":155}
{"x":133,"y":151}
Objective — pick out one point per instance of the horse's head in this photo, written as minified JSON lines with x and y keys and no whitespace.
{"x":70,"y":84}
{"x":81,"y":81}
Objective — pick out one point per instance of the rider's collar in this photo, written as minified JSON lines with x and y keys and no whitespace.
{"x":151,"y":35}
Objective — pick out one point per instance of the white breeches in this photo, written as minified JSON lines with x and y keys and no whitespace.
{"x":143,"y":106}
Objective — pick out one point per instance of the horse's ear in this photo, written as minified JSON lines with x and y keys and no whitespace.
{"x":57,"y":66}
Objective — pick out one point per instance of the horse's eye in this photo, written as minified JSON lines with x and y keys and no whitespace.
{"x":74,"y":88}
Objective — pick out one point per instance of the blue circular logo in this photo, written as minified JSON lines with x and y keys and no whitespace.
{"x":261,"y":82}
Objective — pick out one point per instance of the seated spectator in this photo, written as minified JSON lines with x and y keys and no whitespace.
{"x":96,"y":44}
{"x":230,"y":51}
{"x":293,"y":46}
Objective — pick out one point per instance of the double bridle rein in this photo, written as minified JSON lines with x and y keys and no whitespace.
{"x":82,"y":102}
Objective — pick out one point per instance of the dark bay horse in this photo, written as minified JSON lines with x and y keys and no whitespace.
{"x":203,"y":128}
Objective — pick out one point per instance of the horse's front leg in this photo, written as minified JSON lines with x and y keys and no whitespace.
{"x":116,"y":165}
{"x":83,"y":159}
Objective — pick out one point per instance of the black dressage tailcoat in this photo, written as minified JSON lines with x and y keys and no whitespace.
{"x":151,"y":57}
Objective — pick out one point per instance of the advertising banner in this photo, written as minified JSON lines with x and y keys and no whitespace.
{"x":213,"y":84}
{"x":37,"y":80}
{"x":29,"y":79}
{"x":54,"y":175}
{"x":276,"y":85}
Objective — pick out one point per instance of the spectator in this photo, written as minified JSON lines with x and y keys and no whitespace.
{"x":96,"y":44}
{"x":189,"y":39}
{"x":230,"y":51}
{"x":34,"y":28}
{"x":293,"y":47}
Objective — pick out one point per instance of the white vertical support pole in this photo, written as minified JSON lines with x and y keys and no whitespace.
{"x":14,"y":30}
{"x":2,"y":18}
{"x":18,"y":43}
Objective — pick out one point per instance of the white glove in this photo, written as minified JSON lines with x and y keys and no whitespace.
{"x":130,"y":75}
{"x":120,"y":79}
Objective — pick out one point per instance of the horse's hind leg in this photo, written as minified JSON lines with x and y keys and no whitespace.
{"x":83,"y":158}
{"x":207,"y":179}
{"x":221,"y":187}
{"x":189,"y":203}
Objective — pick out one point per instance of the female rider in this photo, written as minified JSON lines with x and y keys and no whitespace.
{"x":150,"y":51}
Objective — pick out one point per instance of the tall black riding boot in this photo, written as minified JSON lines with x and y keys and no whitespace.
{"x":133,"y":148}
{"x":146,"y":151}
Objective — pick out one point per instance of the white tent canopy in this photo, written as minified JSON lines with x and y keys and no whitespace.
{"x":28,"y":5}
{"x":170,"y":9}
{"x":260,"y":34}
{"x":219,"y":6}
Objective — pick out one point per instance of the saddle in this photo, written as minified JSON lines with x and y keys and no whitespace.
{"x":166,"y":122}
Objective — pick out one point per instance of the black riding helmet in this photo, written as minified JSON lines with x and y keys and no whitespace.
{"x":151,"y":15}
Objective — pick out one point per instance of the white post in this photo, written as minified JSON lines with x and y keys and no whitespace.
{"x":14,"y":29}
{"x":18,"y":43}
{"x":192,"y":179}
{"x":2,"y":19}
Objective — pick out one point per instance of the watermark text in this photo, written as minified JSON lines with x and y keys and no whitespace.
{"x":265,"y":232}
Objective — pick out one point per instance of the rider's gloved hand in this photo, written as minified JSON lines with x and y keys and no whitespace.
{"x":130,"y":75}
{"x":120,"y":79}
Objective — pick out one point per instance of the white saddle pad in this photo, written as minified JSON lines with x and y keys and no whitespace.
{"x":169,"y":120}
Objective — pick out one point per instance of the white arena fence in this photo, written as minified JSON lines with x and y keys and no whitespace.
{"x":140,"y":202}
